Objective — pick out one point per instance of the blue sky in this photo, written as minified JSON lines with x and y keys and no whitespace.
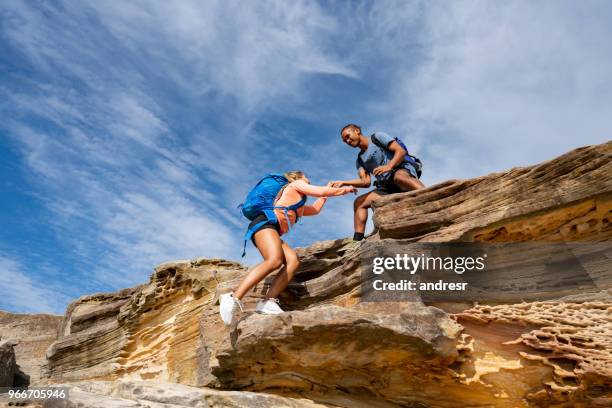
{"x":131,"y":130}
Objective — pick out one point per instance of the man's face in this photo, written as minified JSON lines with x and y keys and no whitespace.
{"x":350,"y":136}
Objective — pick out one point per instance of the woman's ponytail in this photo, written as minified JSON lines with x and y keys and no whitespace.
{"x":294,"y":175}
{"x":291,"y":176}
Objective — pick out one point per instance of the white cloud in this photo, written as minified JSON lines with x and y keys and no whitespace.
{"x":22,"y":292}
{"x":126,"y":189}
{"x":508,"y":84}
{"x":141,"y":198}
{"x":144,"y":231}
{"x":254,"y":52}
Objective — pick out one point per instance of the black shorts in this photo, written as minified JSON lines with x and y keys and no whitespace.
{"x":269,"y":224}
{"x":386,"y":190}
{"x":384,"y":187}
{"x":387,"y":186}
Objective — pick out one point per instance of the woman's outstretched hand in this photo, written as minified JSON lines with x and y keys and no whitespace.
{"x":350,"y":189}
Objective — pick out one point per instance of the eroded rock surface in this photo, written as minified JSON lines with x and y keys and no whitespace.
{"x":573,"y":339}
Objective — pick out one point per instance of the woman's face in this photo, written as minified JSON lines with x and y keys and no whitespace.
{"x":306,"y":179}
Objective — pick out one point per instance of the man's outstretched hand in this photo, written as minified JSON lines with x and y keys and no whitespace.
{"x":336,"y":183}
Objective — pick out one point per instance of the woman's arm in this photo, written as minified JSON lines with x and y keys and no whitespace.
{"x":319,"y":191}
{"x":315,"y":208}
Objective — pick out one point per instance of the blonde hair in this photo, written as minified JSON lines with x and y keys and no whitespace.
{"x":291,"y":176}
{"x":294,"y":175}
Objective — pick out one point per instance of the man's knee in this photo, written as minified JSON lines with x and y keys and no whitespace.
{"x":401,"y":174}
{"x":403,"y":179}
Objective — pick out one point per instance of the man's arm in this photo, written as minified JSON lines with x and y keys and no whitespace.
{"x":362,"y":182}
{"x":398,"y":156}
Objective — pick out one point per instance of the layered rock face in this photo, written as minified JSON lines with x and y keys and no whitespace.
{"x":148,"y":332}
{"x":332,"y":349}
{"x":565,"y":199}
{"x":32,"y":335}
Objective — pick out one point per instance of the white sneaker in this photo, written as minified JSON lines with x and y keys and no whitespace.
{"x":227,"y":307}
{"x":268,"y":306}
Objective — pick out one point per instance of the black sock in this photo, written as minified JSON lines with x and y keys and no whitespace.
{"x":358,"y":236}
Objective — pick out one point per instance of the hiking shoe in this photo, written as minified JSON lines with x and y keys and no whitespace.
{"x":227,"y":307}
{"x":350,"y":246}
{"x":268,"y":306}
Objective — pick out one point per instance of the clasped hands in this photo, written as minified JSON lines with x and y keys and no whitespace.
{"x":338,"y":183}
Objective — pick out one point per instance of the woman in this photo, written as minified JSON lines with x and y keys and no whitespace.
{"x":275,"y":252}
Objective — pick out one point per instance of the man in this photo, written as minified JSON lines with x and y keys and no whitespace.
{"x":382,"y":156}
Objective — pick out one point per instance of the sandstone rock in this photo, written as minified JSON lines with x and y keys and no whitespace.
{"x":331,"y":352}
{"x":147,"y":332}
{"x":33,"y":333}
{"x":90,"y":338}
{"x":573,"y":339}
{"x":568,"y":198}
{"x":8,"y":366}
{"x":150,"y":394}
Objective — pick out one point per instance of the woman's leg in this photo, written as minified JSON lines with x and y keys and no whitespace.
{"x":269,"y":244}
{"x":285,"y":275}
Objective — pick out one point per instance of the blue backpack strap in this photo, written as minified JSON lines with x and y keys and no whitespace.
{"x":418,"y":165}
{"x":377,"y":142}
{"x":297,"y":205}
{"x":249,"y":234}
{"x":292,"y":207}
{"x":271,"y":217}
{"x":267,"y":210}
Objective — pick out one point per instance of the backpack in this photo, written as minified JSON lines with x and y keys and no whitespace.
{"x":260,"y":200}
{"x":413,"y":160}
{"x":262,"y":196}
